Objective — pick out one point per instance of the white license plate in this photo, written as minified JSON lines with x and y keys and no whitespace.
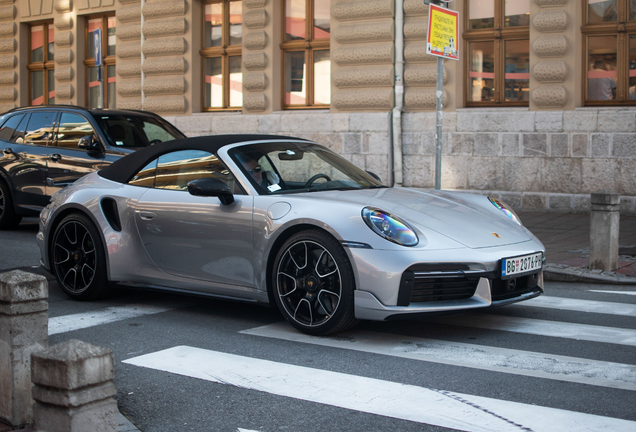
{"x":521,"y":265}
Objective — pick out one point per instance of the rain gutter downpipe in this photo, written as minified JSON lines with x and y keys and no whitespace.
{"x":396,"y":130}
{"x":143,"y":57}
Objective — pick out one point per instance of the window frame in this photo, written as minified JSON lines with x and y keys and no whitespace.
{"x":107,"y":60}
{"x":309,"y":45}
{"x":225,"y":51}
{"x":622,"y":29}
{"x":498,"y":35}
{"x":46,"y":66}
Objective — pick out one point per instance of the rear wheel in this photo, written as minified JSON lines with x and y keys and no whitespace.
{"x":314,"y":284}
{"x":78,"y":260}
{"x":8,"y":218}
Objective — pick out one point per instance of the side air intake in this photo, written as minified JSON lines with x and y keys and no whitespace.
{"x":109,"y":208}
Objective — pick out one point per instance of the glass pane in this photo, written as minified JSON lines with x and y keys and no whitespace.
{"x":214,"y":82}
{"x":236,"y":23}
{"x":517,"y":77}
{"x":632,"y":67}
{"x":632,"y":10}
{"x":236,"y":82}
{"x":322,"y":13}
{"x":112,"y":86}
{"x":322,"y":77}
{"x":481,"y":75}
{"x":51,"y":43}
{"x":93,"y":88}
{"x":601,"y":67}
{"x":175,"y":170}
{"x":72,"y":127}
{"x":517,"y":13}
{"x":294,"y":19}
{"x":295,"y":83}
{"x":601,"y":11}
{"x":213,"y":25}
{"x":112,"y":40}
{"x":37,"y":88}
{"x":481,"y":14}
{"x":93,"y":24}
{"x":51,"y":74}
{"x":9,"y":127}
{"x":40,"y":128}
{"x":37,"y":43}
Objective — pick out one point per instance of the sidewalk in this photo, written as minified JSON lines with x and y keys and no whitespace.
{"x":566,"y":237}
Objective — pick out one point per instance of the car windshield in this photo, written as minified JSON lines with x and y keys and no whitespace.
{"x":136,"y":130}
{"x":295,"y":167}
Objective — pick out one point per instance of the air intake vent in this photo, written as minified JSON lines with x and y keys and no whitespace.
{"x":109,"y":207}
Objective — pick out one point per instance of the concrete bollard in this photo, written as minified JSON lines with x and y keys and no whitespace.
{"x":604,"y":229}
{"x":74,"y":389}
{"x":23,"y":331}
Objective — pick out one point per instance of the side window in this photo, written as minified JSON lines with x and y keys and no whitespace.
{"x":20,"y":131}
{"x":40,"y":128}
{"x":156,"y":132}
{"x":72,"y":127}
{"x":145,"y":177}
{"x":175,"y":170}
{"x":8,"y":128}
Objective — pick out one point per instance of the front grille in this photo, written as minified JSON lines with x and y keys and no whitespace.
{"x":429,"y":289}
{"x":511,"y":288}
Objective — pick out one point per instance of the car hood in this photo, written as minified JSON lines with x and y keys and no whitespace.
{"x":458,"y":216}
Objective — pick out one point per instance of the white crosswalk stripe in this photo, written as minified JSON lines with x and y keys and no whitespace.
{"x":591,"y":306}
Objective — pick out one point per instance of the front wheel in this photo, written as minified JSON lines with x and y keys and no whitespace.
{"x":78,"y":260}
{"x":314,"y":284}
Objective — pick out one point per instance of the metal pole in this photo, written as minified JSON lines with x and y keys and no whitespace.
{"x":100,"y":73}
{"x":438,"y":125}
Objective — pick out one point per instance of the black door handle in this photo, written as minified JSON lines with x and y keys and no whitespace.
{"x":55,"y":157}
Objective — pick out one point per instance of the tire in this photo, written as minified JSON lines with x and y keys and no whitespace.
{"x":8,"y":218}
{"x":313,"y":284}
{"x":78,"y":258}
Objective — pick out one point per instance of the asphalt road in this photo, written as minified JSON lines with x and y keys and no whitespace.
{"x":565,"y":361}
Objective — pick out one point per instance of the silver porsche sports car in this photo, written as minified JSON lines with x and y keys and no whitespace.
{"x":285,"y":221}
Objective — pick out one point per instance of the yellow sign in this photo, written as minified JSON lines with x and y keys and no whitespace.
{"x":442,"y":32}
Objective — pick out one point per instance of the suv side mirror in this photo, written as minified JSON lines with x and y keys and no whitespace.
{"x":211,"y":187}
{"x":87,"y":143}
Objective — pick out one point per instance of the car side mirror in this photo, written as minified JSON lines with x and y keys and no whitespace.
{"x":87,"y":143}
{"x":211,"y":187}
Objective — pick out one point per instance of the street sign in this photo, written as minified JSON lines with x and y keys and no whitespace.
{"x":442,"y":34}
{"x":97,"y":39}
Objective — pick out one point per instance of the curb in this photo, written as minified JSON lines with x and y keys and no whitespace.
{"x":561,"y":273}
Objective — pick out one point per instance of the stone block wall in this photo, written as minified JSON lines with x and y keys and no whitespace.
{"x":534,"y":160}
{"x":8,"y":59}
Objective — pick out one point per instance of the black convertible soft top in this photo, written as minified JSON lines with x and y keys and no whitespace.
{"x":122,"y":170}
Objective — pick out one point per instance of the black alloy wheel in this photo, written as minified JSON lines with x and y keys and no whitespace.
{"x":8,"y":218}
{"x":77,"y":258}
{"x":314,"y":284}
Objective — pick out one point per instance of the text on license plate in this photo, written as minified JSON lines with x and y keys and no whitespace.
{"x":521,"y":265}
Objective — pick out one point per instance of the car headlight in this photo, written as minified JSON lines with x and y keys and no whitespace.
{"x":506,"y":209}
{"x":389,"y":227}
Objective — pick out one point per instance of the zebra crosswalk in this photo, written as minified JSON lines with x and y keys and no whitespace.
{"x":444,"y":407}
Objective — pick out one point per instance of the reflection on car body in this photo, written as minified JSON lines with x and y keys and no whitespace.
{"x":322,"y":240}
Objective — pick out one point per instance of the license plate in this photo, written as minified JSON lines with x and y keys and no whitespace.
{"x":521,"y":265}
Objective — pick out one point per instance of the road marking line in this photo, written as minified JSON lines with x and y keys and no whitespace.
{"x":559,"y":329}
{"x":418,"y":404}
{"x":615,"y":292}
{"x":67,"y":323}
{"x":516,"y":362}
{"x":591,"y":306}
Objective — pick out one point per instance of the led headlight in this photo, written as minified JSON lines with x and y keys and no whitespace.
{"x":506,"y":209}
{"x":390,"y":227}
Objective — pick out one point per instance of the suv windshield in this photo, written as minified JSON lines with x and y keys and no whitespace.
{"x":136,"y":130}
{"x":293,"y":167}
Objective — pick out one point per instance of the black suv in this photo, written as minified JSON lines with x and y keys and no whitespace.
{"x":45,"y":148}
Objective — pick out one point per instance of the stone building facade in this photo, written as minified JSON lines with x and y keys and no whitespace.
{"x":549,"y":151}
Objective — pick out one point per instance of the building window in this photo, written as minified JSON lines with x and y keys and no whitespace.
{"x":221,"y":55}
{"x":610,"y":58}
{"x":108,"y":26}
{"x":41,"y":65}
{"x":498,"y":42}
{"x":306,"y":58}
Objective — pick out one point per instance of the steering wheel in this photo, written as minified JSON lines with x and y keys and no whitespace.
{"x":316,"y":177}
{"x":154,"y":141}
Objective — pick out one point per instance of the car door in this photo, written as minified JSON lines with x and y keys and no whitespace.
{"x":192,"y":236}
{"x":25,"y":156}
{"x":68,"y":162}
